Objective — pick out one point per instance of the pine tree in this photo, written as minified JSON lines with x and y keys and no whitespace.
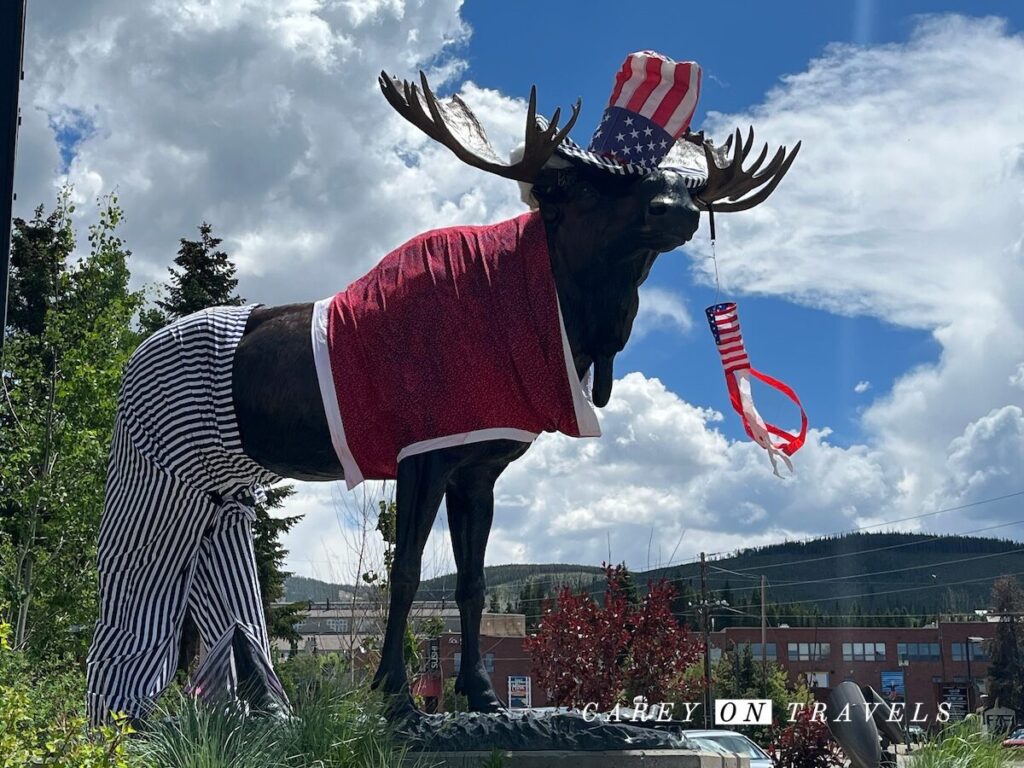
{"x":270,"y":555}
{"x":1006,"y":668}
{"x":206,"y":279}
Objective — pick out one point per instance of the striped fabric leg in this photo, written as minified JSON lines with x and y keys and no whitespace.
{"x":226,"y":591}
{"x":147,"y":555}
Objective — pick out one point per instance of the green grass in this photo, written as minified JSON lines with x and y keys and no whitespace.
{"x":963,"y":746}
{"x":330,"y":729}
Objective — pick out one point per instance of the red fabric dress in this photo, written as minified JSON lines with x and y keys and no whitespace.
{"x":454,"y":337}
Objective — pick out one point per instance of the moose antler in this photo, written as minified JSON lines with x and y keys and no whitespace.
{"x":732,"y":182}
{"x":453,"y":124}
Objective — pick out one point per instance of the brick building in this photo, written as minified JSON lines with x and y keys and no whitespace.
{"x":905,"y":664}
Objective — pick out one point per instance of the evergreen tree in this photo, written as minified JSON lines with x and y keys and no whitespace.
{"x":205,"y":278}
{"x":628,"y":585}
{"x":1006,"y":649}
{"x":270,"y":556}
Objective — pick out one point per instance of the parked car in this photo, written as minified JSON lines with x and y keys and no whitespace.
{"x":1015,"y":739}
{"x":731,"y":743}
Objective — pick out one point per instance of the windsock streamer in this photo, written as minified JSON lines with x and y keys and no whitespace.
{"x":725,"y":327}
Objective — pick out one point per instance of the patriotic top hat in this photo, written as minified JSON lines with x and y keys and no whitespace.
{"x":651,"y":106}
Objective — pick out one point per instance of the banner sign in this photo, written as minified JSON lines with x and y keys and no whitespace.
{"x":519,"y":692}
{"x":893,"y":685}
{"x":434,"y":655}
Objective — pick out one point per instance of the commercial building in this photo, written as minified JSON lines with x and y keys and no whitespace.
{"x":923,"y":665}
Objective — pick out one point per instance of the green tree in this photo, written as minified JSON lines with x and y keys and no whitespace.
{"x":270,"y":557}
{"x":205,"y":278}
{"x":69,"y":336}
{"x":1006,"y":649}
{"x":738,"y":675}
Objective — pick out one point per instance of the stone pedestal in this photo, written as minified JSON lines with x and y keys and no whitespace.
{"x":637,"y":758}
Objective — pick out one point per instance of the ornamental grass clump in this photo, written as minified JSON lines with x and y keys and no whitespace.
{"x":963,"y":745}
{"x":333,"y":726}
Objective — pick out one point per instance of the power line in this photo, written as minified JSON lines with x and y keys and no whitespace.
{"x":812,"y":539}
{"x":904,"y":589}
{"x":859,"y":576}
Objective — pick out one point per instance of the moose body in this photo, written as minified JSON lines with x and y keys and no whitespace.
{"x":603,"y":231}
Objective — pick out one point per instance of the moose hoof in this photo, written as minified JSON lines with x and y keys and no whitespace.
{"x":399,"y":707}
{"x":479,"y":694}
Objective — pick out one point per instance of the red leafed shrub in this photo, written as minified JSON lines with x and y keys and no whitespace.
{"x":584,"y":652}
{"x":806,"y":743}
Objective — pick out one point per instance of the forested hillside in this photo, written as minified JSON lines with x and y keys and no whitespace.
{"x":860,"y":578}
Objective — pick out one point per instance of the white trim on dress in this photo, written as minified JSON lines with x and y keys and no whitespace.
{"x":322,"y":358}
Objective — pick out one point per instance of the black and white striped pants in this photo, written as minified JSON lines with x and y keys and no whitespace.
{"x":177,"y":519}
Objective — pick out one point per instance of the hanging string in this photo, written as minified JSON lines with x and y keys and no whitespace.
{"x":714,"y":255}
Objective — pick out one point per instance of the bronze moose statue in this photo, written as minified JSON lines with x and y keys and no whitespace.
{"x":437,"y":369}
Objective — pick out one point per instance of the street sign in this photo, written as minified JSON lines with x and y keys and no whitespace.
{"x":955,"y":696}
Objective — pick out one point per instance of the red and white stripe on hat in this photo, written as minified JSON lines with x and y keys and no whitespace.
{"x":662,"y":90}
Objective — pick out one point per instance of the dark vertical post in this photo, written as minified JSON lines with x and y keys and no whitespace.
{"x":705,"y":608}
{"x":764,"y":636}
{"x":12,"y":47}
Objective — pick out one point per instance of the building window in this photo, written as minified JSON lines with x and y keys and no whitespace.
{"x":755,"y":650}
{"x":809,"y":651}
{"x":863,"y":651}
{"x":488,"y":663}
{"x":337,"y":625}
{"x":917,"y":651}
{"x":978,"y":652}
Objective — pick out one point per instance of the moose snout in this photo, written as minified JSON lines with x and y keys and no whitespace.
{"x":670,"y":209}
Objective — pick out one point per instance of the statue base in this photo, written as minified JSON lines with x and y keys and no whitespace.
{"x":527,"y":732}
{"x":640,"y":758}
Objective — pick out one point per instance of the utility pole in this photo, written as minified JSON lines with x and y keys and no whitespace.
{"x":704,"y":610}
{"x":12,"y":49}
{"x":764,"y":635}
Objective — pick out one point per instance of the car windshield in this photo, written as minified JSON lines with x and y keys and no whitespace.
{"x":707,"y":744}
{"x":737,"y":744}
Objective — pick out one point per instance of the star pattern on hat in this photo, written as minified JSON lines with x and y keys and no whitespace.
{"x":630,"y":138}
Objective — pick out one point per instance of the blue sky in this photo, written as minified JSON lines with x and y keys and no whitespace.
{"x":892,"y":256}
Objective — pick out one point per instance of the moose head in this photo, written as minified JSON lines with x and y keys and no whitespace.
{"x":604,"y":229}
{"x":561,"y":287}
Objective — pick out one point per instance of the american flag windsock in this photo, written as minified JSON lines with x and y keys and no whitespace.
{"x":725,"y":327}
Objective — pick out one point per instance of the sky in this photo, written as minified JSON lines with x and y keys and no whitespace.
{"x":883,"y":280}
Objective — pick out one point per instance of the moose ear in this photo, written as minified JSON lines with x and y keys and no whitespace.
{"x":552,"y":184}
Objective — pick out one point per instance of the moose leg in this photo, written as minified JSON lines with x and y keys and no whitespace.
{"x":421,"y":483}
{"x":470,"y":502}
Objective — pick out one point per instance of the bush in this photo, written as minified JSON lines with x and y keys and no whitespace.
{"x":806,"y":743}
{"x":42,"y":721}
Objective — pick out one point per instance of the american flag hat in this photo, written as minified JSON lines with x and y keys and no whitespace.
{"x":651,"y":106}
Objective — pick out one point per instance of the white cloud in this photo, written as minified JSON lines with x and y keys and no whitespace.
{"x":861,"y":387}
{"x":1017,"y":377}
{"x":264,"y":117}
{"x":661,"y":308}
